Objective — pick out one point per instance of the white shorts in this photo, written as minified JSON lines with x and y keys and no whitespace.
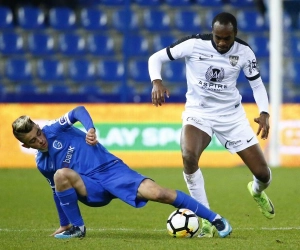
{"x":233,"y":131}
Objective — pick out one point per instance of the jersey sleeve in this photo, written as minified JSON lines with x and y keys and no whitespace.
{"x":250,"y":68}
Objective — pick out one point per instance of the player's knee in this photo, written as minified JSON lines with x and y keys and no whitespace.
{"x":61,"y":175}
{"x":264,"y":175}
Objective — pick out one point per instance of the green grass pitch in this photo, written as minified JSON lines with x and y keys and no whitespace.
{"x":28,"y":215}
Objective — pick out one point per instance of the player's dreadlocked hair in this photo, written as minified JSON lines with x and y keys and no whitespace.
{"x":225,"y":18}
{"x":21,"y":126}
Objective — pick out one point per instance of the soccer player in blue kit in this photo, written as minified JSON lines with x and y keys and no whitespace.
{"x":78,"y":167}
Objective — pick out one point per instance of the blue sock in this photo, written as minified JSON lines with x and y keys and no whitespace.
{"x":185,"y":201}
{"x":68,"y":201}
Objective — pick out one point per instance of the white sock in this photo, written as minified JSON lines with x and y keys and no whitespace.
{"x":81,"y":228}
{"x":195,"y":185}
{"x":259,"y":186}
{"x":217,"y":217}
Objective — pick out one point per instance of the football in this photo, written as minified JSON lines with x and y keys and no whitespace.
{"x":182,"y":223}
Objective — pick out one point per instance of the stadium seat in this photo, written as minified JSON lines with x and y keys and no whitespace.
{"x":100,"y":45}
{"x":49,"y":70}
{"x":122,"y":20}
{"x":250,"y":21}
{"x":41,"y":44}
{"x":18,"y":69}
{"x":188,"y":21}
{"x":209,"y":16}
{"x":31,"y":18}
{"x":156,"y":20}
{"x":58,"y":89}
{"x":93,"y":19}
{"x":113,"y":2}
{"x":292,"y":70}
{"x":210,"y":3}
{"x":81,"y":70}
{"x":89,"y":89}
{"x":25,"y":88}
{"x":260,"y":45}
{"x":138,"y":71}
{"x":6,"y":18}
{"x":110,"y":70}
{"x":178,"y":2}
{"x":264,"y":67}
{"x":242,"y":3}
{"x":174,"y":72}
{"x":149,"y":3}
{"x":136,"y":45}
{"x":162,"y":41}
{"x":71,"y":44}
{"x":241,"y":79}
{"x":62,"y":19}
{"x":11,"y":43}
{"x":295,"y":46}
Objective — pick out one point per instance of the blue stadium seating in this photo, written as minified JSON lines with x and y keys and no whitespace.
{"x":264,"y":67}
{"x":210,"y":3}
{"x":112,"y":2}
{"x":26,"y":88}
{"x":242,"y":3}
{"x":81,"y":70}
{"x":250,"y":21}
{"x":138,"y":71}
{"x":31,"y":18}
{"x":6,"y":18}
{"x":162,"y":41}
{"x":188,"y":21}
{"x":174,"y":72}
{"x":292,"y":70}
{"x":41,"y":44}
{"x":156,"y":20}
{"x":295,"y":46}
{"x":110,"y":70}
{"x":260,"y":45}
{"x":100,"y":45}
{"x":209,"y":16}
{"x":18,"y":69}
{"x":89,"y":89}
{"x":123,"y":20}
{"x":62,"y":19}
{"x":11,"y":43}
{"x":136,"y":45}
{"x":58,"y":89}
{"x":149,"y":3}
{"x":175,"y":3}
{"x":71,"y":44}
{"x":50,"y":70}
{"x":93,"y":19}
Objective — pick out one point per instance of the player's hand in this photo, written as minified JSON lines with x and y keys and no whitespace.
{"x":158,"y":93}
{"x":61,"y":229}
{"x":91,"y":137}
{"x":264,"y":127}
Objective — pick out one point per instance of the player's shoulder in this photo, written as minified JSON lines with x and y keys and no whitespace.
{"x":242,"y":44}
{"x":204,"y":37}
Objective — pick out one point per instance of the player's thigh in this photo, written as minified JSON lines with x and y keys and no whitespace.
{"x":193,"y":140}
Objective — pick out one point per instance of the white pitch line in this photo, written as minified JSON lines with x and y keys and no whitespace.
{"x":154,"y":230}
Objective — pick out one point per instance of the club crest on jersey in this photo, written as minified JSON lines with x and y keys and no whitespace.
{"x":57,"y":144}
{"x":214,"y":74}
{"x":233,"y":60}
{"x":62,"y":120}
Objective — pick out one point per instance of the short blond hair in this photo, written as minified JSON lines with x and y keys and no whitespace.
{"x":21,"y":126}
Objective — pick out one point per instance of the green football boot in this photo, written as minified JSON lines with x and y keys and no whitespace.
{"x":207,"y":229}
{"x":265,"y":205}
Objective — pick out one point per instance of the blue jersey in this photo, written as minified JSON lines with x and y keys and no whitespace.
{"x":105,"y":176}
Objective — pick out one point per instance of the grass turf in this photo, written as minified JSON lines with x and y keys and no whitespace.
{"x":28,"y":215}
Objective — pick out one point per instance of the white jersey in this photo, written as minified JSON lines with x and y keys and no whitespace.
{"x":211,"y":76}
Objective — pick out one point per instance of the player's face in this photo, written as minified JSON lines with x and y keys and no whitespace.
{"x":223,"y":36}
{"x":36,"y":139}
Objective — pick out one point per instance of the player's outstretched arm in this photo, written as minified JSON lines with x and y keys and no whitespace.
{"x":159,"y":91}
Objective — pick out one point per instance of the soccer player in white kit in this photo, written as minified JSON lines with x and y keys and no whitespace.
{"x":213,"y":106}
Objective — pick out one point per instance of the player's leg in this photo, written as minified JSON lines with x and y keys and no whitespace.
{"x":149,"y":190}
{"x":253,"y":157}
{"x":67,"y":184}
{"x":193,"y":142}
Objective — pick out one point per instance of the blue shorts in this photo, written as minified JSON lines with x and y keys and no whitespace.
{"x":115,"y":180}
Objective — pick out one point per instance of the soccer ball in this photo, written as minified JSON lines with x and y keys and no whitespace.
{"x":182,"y":223}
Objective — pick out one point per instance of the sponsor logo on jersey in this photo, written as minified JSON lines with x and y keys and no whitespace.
{"x":252,"y":66}
{"x":233,"y":60}
{"x":57,"y":144}
{"x":68,"y":157}
{"x":62,"y":120}
{"x":212,"y":86}
{"x":205,"y":56}
{"x":214,"y":74}
{"x":232,"y":144}
{"x":194,"y":119}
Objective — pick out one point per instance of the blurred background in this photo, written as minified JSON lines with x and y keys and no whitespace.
{"x":97,"y":50}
